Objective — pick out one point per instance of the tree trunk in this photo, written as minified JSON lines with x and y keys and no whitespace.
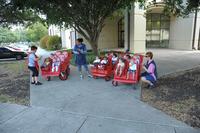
{"x":94,"y":45}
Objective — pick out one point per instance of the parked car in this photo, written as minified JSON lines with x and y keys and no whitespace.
{"x":7,"y":52}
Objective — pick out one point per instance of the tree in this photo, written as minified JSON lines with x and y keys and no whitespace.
{"x":182,"y":7}
{"x":11,"y":13}
{"x":86,"y":16}
{"x":7,"y":36}
{"x":36,"y":31}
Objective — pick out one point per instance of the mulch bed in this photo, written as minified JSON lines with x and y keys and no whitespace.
{"x":178,"y":95}
{"x":14,"y":83}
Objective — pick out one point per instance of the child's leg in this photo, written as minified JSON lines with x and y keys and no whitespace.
{"x":116,"y":71}
{"x":121,"y":70}
{"x":127,"y":76}
{"x":52,"y":67}
{"x":133,"y":74}
{"x":56,"y":68}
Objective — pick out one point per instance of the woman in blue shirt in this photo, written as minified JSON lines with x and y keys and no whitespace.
{"x":80,"y":52}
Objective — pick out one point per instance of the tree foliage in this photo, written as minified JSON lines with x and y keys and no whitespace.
{"x":36,"y":31}
{"x":11,"y":13}
{"x":54,"y":43}
{"x":88,"y":16}
{"x":7,"y":36}
{"x":181,"y":7}
{"x":85,"y":16}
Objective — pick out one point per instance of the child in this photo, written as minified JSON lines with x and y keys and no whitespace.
{"x":114,"y":59}
{"x":55,"y":63}
{"x":132,"y":68}
{"x":103,"y":62}
{"x":120,"y":67}
{"x":33,"y":65}
{"x":46,"y":63}
{"x":96,"y":61}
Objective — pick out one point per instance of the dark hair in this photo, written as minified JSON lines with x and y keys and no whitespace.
{"x":80,"y":39}
{"x":127,"y":51}
{"x":33,"y":48}
{"x":149,"y":54}
{"x":122,"y":59}
{"x":115,"y":54}
{"x":128,"y":56}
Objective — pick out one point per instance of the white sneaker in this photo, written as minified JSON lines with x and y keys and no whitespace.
{"x":81,"y":76}
{"x":90,"y":76}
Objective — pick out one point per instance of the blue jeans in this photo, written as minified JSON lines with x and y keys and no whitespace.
{"x":80,"y":67}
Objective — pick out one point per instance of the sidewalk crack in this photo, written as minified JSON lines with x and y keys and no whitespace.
{"x":175,"y":130}
{"x":82,"y":125}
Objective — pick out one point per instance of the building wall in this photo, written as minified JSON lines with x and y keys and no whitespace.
{"x":65,"y":37}
{"x":108,"y":38}
{"x":181,"y":33}
{"x":197,"y":39}
{"x":137,"y":30}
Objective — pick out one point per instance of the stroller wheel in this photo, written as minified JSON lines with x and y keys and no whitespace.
{"x":63,"y":76}
{"x":48,"y":78}
{"x":68,"y":70}
{"x":114,"y":83}
{"x":107,"y":78}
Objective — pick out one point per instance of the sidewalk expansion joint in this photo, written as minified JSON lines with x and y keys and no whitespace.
{"x":82,"y":125}
{"x":15,"y":116}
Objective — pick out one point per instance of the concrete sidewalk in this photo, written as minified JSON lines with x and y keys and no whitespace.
{"x":89,"y":106}
{"x":170,"y":61}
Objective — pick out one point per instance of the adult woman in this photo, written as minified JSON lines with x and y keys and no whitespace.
{"x":150,"y":74}
{"x":80,"y":52}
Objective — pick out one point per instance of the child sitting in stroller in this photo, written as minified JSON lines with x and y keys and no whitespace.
{"x":114,"y":58}
{"x":55,"y":62}
{"x":103,"y":62}
{"x":96,"y":62}
{"x":132,"y":68}
{"x":120,"y":67}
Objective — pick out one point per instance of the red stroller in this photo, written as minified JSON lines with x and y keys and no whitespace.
{"x":131,"y":80}
{"x":63,"y":69}
{"x":105,"y":72}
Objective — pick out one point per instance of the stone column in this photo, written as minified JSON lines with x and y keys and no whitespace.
{"x":137,"y":29}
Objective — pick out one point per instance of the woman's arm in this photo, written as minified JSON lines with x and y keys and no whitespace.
{"x":84,"y":51}
{"x":75,"y":50}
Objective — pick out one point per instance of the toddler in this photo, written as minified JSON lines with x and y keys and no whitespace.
{"x":132,"y":68}
{"x":114,"y":59}
{"x":103,"y":63}
{"x":55,"y":63}
{"x":120,"y":67}
{"x":96,"y":62}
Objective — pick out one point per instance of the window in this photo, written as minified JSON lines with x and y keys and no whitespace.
{"x":157,"y":32}
{"x":5,"y":50}
{"x":121,"y":33}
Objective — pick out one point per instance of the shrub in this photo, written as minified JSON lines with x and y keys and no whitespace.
{"x":54,"y":43}
{"x":43,"y":42}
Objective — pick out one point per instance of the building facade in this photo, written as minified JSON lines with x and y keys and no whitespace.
{"x":139,"y":29}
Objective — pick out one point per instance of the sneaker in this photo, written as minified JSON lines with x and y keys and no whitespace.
{"x":81,"y":76}
{"x":38,"y":83}
{"x":33,"y":82}
{"x":90,"y":76}
{"x":151,"y":86}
